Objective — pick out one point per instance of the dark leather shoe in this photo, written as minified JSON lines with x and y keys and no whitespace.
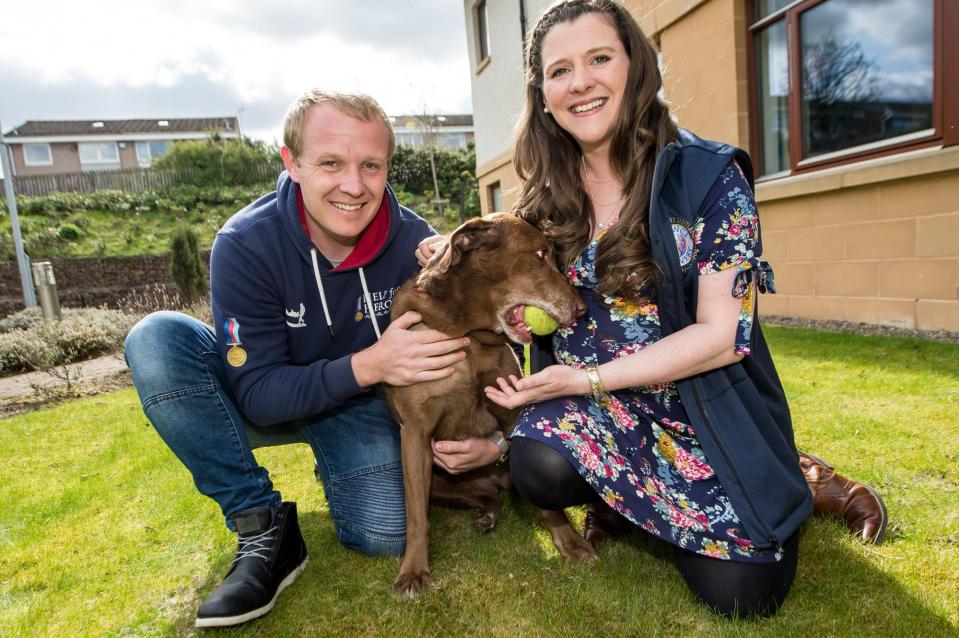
{"x":602,"y":523}
{"x":270,"y":554}
{"x":856,"y":503}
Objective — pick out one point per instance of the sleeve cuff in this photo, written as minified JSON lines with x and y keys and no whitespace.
{"x":339,"y":380}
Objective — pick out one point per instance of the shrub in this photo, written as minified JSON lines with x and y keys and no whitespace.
{"x":81,"y":221}
{"x":185,"y":265}
{"x":178,"y":199}
{"x":70,"y":232}
{"x":8,"y":251}
{"x":29,"y":342}
{"x":411,"y":172}
{"x":41,"y":241}
{"x":218,"y":161}
{"x":20,"y":320}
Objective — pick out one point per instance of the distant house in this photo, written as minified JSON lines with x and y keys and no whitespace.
{"x":42,"y":147}
{"x":451,"y":131}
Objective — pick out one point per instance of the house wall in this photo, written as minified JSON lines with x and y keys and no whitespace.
{"x":128,"y":155}
{"x":875,"y":242}
{"x":66,"y":159}
{"x":703,"y":48}
{"x":497,"y":88}
{"x":500,"y":170}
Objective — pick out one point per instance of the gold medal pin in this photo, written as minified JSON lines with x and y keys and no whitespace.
{"x":236,"y":356}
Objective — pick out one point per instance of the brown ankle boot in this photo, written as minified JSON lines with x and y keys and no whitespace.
{"x":856,"y":503}
{"x":603,"y":522}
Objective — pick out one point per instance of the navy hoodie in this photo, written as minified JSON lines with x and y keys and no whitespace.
{"x":286,"y":362}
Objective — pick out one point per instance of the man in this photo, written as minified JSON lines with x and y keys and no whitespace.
{"x":301,"y":282}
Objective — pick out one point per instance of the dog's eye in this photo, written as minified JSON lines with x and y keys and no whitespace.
{"x":541,"y":253}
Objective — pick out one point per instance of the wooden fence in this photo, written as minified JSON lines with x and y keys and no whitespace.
{"x":131,"y":180}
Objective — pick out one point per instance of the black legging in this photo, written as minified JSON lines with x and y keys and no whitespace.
{"x":547,"y":479}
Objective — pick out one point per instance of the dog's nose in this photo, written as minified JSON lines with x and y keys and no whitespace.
{"x":579,"y":307}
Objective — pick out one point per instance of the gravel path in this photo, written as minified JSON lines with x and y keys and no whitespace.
{"x":861,"y":328}
{"x":28,"y":391}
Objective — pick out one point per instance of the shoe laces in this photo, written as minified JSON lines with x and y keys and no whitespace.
{"x":257,"y":546}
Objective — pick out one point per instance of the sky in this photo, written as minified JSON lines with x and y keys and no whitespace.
{"x":104,"y":59}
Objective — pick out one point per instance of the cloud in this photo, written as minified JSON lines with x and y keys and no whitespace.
{"x":869,"y":21}
{"x":178,"y":58}
{"x":425,"y":27}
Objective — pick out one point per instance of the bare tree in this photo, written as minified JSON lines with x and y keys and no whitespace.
{"x":429,"y":123}
{"x":837,"y":71}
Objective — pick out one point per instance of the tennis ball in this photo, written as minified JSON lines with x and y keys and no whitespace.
{"x":538,"y":321}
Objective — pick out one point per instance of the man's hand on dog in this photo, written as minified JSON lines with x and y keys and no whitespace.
{"x":403,"y":356}
{"x":426,"y":248}
{"x":549,"y":383}
{"x":457,"y":457}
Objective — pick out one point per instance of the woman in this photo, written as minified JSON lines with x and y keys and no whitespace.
{"x":659,"y":231}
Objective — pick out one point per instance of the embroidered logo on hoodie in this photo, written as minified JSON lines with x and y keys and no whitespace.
{"x":298,"y":316}
{"x":381,"y":299}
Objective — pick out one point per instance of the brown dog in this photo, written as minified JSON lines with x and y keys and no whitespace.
{"x":477,"y":286}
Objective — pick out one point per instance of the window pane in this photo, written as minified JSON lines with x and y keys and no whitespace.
{"x":88,"y":152}
{"x":768,"y":7}
{"x":867,"y":72}
{"x":482,"y":33}
{"x":37,"y":153}
{"x":496,"y":198}
{"x":157,"y":149}
{"x":773,"y":67}
{"x":143,"y":152}
{"x":108,"y":151}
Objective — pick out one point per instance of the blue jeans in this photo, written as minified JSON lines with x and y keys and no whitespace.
{"x":181,"y":381}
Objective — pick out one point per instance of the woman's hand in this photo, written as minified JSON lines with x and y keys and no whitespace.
{"x":549,"y":383}
{"x":457,"y":457}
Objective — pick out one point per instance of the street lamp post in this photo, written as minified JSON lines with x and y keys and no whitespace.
{"x":26,"y":281}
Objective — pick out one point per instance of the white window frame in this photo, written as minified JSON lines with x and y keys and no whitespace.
{"x":99,"y":159}
{"x":26,"y":159}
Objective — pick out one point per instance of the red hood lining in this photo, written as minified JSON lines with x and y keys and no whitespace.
{"x":371,"y":240}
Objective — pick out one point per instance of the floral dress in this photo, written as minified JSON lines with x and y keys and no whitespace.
{"x":638,"y":450}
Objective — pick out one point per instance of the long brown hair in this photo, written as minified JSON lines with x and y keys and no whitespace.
{"x":548,"y":159}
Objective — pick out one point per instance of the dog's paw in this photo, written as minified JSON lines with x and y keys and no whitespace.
{"x":575,"y":547}
{"x":413,"y":583}
{"x":486,"y":520}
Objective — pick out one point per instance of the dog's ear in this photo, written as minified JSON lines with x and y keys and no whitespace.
{"x":476,"y":234}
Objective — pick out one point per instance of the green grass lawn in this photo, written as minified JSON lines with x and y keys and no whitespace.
{"x":101,"y":532}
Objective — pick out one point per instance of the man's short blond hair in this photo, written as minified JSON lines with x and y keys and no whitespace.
{"x":356,"y":105}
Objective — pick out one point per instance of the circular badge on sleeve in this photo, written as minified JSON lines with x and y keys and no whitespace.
{"x":684,"y":244}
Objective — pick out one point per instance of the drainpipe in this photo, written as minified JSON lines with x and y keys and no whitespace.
{"x":522,"y":26}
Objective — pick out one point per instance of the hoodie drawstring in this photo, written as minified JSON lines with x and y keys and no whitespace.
{"x":369,"y":304}
{"x":326,"y":310}
{"x":319,"y":285}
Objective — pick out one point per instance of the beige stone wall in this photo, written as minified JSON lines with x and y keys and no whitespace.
{"x":704,"y":66}
{"x":880,"y":247}
{"x":499,"y":170}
